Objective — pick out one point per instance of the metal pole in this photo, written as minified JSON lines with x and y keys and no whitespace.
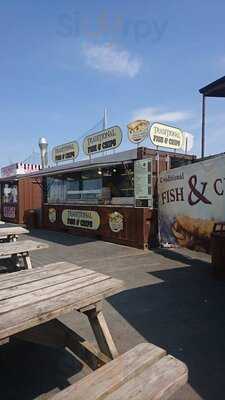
{"x":203,"y":125}
{"x":105,"y":119}
{"x":105,"y":123}
{"x":157,"y":158}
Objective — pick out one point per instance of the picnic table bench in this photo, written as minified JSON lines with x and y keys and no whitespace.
{"x":21,"y":249}
{"x":143,"y":373}
{"x":32,"y":300}
{"x":9,"y":232}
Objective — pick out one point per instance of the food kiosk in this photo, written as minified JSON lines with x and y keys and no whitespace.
{"x":20,"y":193}
{"x":111,"y":197}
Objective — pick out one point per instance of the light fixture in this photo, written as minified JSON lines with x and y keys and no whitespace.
{"x":99,"y":171}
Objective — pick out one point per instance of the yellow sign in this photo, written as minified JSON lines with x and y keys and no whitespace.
{"x":166,"y":136}
{"x":107,"y":139}
{"x":64,"y":152}
{"x":138,"y":130}
{"x":116,"y":221}
{"x":83,"y":219}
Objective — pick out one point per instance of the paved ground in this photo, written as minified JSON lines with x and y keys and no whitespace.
{"x":171,"y":300}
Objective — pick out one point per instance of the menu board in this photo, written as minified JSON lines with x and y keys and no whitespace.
{"x":143,"y":179}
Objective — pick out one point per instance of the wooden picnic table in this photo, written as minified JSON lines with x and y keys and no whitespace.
{"x":31,"y":300}
{"x":9,"y":232}
{"x":21,"y":250}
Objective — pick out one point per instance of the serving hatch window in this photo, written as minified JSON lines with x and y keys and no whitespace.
{"x":68,"y":188}
{"x":120,"y":180}
{"x":92,"y":184}
{"x":95,"y":186}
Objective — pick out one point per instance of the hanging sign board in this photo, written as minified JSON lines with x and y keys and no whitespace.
{"x":143,"y":179}
{"x":83,"y":219}
{"x":105,"y":140}
{"x":138,"y":130}
{"x":65,"y":152}
{"x":166,"y":136}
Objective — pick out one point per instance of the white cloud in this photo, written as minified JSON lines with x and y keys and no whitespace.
{"x":111,"y":59}
{"x":155,"y":115}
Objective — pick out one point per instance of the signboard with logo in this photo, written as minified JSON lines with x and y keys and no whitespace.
{"x":83,"y":219}
{"x":138,"y":130}
{"x":52,"y":215}
{"x":65,"y":152}
{"x":105,"y":140}
{"x":9,"y":212}
{"x":191,"y":200}
{"x":116,"y":221}
{"x":166,"y":136}
{"x":143,"y":179}
{"x":9,"y":170}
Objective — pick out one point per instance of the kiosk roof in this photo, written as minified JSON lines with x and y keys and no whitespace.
{"x":214,"y":89}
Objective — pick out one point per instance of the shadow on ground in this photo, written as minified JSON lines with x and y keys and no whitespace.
{"x":36,"y":370}
{"x":63,"y":238}
{"x":7,"y":265}
{"x":184,"y":314}
{"x":177,"y":255}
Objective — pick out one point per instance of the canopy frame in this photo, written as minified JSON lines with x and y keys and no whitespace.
{"x":214,"y":89}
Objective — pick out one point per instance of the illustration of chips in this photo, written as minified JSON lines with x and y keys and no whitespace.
{"x":193,"y":233}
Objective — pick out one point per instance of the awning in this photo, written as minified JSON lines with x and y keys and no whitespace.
{"x":214,"y":89}
{"x":79,"y":169}
{"x":94,"y":163}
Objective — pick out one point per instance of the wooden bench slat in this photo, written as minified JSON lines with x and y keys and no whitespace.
{"x":143,"y":373}
{"x":25,"y":288}
{"x":28,"y":316}
{"x":8,"y":249}
{"x":50,"y":292}
{"x":24,"y":276}
{"x":159,"y":381}
{"x":113,"y":374}
{"x":12,"y":230}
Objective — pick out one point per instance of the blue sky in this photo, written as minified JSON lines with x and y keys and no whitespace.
{"x":62,"y":62}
